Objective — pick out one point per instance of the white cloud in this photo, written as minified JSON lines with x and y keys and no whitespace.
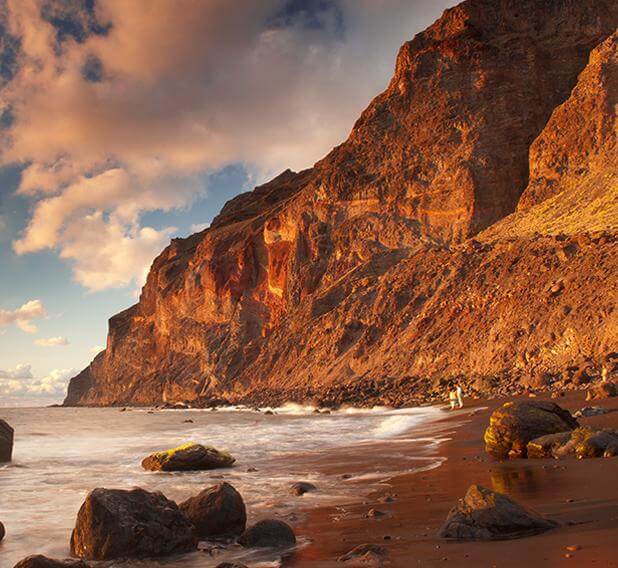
{"x":118,"y":254}
{"x":96,"y":349}
{"x":183,"y":91}
{"x":21,"y":371}
{"x":53,"y":384}
{"x":51,"y":341}
{"x":23,"y":316}
{"x":199,"y":227}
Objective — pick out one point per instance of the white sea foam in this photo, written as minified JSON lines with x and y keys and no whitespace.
{"x":84,"y":448}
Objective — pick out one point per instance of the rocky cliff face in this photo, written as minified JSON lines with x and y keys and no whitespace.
{"x":365,"y":277}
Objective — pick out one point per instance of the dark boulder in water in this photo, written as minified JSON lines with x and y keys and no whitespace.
{"x":2,"y":532}
{"x":38,"y":561}
{"x":269,"y":533}
{"x":115,"y":523}
{"x":6,"y":441}
{"x":216,"y":512}
{"x":190,"y":457}
{"x":487,"y":515}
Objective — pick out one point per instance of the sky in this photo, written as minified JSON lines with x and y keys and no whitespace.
{"x":126,"y":123}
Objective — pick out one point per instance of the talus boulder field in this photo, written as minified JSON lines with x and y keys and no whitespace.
{"x":465,"y":231}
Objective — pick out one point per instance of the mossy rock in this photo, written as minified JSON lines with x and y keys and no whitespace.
{"x":188,"y":457}
{"x":592,"y":443}
{"x":515,"y":424}
{"x":583,"y":442}
{"x":547,"y":446}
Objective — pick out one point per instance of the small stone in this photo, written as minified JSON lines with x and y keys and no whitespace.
{"x":374,"y":514}
{"x":301,"y":487}
{"x":365,"y":555}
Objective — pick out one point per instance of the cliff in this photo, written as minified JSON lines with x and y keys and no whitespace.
{"x":466,"y":229}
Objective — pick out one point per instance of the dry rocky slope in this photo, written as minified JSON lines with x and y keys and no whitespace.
{"x":465,"y":230}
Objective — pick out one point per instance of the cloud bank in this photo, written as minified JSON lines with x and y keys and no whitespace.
{"x":20,"y":382}
{"x":51,"y":341}
{"x":21,"y":371}
{"x":126,"y":107}
{"x":23,"y":316}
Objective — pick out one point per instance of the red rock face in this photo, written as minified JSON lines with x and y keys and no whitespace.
{"x":363,"y":268}
{"x":579,"y":141}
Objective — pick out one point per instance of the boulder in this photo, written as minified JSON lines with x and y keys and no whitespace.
{"x":6,"y":441}
{"x":366,"y":555}
{"x":601,"y":391}
{"x":583,"y":442}
{"x":592,"y":443}
{"x":514,"y":424}
{"x":216,"y":512}
{"x":269,"y":533}
{"x":38,"y":561}
{"x":588,"y":411}
{"x":2,"y":532}
{"x":487,"y":515}
{"x":301,"y":487}
{"x":116,"y":523}
{"x":546,"y":446}
{"x":190,"y":457}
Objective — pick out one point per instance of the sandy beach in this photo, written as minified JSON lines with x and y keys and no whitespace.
{"x":580,"y":494}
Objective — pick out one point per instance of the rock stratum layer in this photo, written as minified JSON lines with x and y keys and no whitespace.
{"x":465,"y":230}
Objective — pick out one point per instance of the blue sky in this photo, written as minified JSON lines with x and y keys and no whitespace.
{"x":126,"y":123}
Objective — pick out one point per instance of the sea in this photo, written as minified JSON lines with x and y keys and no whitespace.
{"x":61,"y":454}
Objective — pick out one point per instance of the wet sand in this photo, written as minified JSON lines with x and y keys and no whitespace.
{"x":582,"y":495}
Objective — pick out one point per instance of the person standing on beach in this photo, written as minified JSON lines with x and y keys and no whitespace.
{"x":455,"y":398}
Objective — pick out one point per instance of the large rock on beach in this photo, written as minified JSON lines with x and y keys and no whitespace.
{"x":587,"y":442}
{"x":6,"y":441}
{"x":484,"y":514}
{"x":189,"y":457}
{"x":514,"y":424}
{"x":583,"y":442}
{"x":269,"y":533}
{"x":116,"y":523}
{"x":39,"y":561}
{"x":216,"y":512}
{"x":547,"y":446}
{"x":601,"y":391}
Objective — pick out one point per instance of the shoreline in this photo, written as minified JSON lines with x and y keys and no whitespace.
{"x":403,"y":392}
{"x":579,"y":494}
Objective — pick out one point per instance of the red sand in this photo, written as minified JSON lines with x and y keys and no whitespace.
{"x":581,"y":495}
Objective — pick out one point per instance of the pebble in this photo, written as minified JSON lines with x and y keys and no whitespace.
{"x":374,"y":514}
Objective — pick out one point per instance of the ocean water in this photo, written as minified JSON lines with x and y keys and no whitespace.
{"x":61,"y":454}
